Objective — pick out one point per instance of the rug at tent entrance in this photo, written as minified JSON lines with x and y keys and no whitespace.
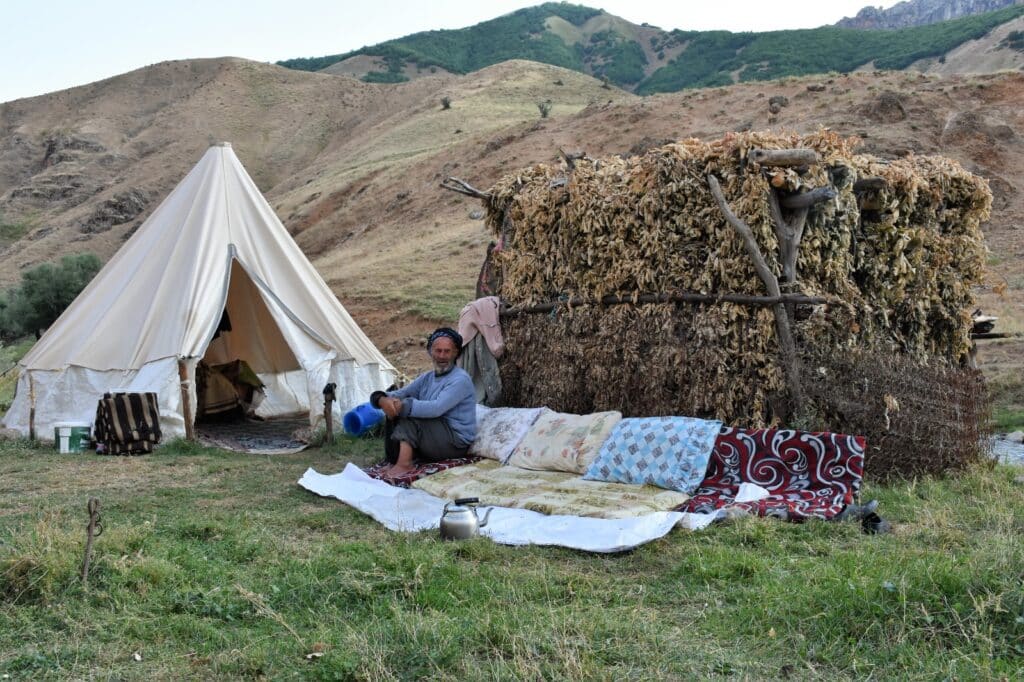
{"x":271,"y":436}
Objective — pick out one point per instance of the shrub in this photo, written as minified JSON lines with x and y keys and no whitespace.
{"x":44,"y":293}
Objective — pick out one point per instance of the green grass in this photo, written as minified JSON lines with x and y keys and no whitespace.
{"x":216,"y":565}
{"x":1007,"y":393}
{"x":1008,"y":419}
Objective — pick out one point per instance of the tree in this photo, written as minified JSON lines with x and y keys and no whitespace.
{"x":47,"y":290}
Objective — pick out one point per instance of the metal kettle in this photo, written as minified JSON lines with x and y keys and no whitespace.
{"x":459,"y":521}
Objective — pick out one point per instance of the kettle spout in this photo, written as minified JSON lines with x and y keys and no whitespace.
{"x":483,"y":521}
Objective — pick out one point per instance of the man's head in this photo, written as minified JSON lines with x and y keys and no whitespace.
{"x":444,"y":346}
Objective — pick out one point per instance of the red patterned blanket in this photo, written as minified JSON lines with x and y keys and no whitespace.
{"x":808,"y":474}
{"x":417,"y":472}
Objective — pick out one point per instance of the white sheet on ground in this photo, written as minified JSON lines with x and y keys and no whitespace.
{"x":413,"y":510}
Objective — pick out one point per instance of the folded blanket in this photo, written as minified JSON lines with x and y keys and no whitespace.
{"x":419,"y":471}
{"x":549,"y":492}
{"x":806,"y":474}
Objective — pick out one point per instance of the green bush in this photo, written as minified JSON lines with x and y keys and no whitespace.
{"x":384,"y":77}
{"x":44,"y":293}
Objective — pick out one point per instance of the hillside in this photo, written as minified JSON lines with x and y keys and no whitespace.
{"x":646,"y":59}
{"x":353,"y":168}
{"x":920,"y":13}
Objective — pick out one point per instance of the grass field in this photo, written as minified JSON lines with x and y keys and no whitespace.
{"x":217,"y":565}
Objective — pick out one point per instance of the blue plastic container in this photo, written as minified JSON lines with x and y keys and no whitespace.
{"x":361,"y":419}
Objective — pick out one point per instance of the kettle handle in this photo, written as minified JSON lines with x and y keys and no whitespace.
{"x":467,"y":500}
{"x":483,"y":521}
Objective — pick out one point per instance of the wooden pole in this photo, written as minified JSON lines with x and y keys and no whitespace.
{"x":462,"y":187}
{"x":784,"y":157}
{"x":808,"y":199}
{"x":92,"y":530}
{"x":186,"y":401}
{"x":31,"y":407}
{"x":745,"y":299}
{"x":870,"y":184}
{"x":787,"y":347}
{"x":329,"y":413}
{"x":789,"y":234}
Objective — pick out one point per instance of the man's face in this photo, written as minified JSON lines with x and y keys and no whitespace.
{"x":442,"y":352}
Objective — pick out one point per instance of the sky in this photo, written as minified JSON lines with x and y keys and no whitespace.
{"x":50,"y":45}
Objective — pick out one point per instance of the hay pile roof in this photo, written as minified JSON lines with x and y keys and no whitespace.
{"x":897,"y":249}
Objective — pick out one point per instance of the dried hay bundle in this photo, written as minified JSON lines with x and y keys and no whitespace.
{"x":900,"y":261}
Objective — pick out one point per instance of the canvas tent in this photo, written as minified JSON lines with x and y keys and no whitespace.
{"x":152,"y":313}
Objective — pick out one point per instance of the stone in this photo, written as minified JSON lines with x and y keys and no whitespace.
{"x":117,"y":210}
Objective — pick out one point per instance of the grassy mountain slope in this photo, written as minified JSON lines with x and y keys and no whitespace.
{"x":647,"y":59}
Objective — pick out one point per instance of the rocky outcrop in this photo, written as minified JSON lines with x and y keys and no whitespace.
{"x":45,"y":189}
{"x":921,"y":12}
{"x":62,"y":147}
{"x":117,"y":210}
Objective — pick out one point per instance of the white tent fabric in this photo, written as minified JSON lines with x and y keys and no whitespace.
{"x":213,"y":245}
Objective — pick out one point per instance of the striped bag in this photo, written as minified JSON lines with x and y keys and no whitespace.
{"x":127,"y":423}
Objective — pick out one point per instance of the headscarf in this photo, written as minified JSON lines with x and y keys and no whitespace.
{"x":449,"y":333}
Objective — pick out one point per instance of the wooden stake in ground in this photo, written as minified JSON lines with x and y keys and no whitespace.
{"x":92,"y":530}
{"x":186,"y":403}
{"x":328,"y":413}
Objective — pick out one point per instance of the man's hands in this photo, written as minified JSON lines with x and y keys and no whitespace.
{"x":392,"y":407}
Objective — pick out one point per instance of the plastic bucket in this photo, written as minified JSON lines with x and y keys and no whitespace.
{"x":71,"y":436}
{"x":361,"y":418}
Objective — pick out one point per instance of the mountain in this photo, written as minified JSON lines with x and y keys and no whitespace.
{"x":921,"y":13}
{"x":353,"y":168}
{"x":646,"y":59}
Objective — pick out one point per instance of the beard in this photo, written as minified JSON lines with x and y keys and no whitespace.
{"x":442,"y":366}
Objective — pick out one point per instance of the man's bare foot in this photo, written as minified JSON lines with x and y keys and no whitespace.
{"x":398,"y":470}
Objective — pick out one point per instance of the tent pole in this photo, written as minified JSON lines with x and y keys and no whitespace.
{"x":31,"y":408}
{"x":186,"y":406}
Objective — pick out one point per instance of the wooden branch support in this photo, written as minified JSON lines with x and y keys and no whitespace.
{"x":787,"y":347}
{"x":818,"y":195}
{"x":463,"y":187}
{"x":93,"y":530}
{"x":571,"y":159}
{"x":763,"y":301}
{"x":997,"y":335}
{"x":784,"y":157}
{"x":871,"y":184}
{"x":789,"y":233}
{"x":329,"y":413}
{"x":186,"y":401}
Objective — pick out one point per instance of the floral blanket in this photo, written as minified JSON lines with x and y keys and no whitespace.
{"x":808,"y":474}
{"x":417,"y":472}
{"x":548,"y":492}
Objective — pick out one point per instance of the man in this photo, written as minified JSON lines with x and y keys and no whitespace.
{"x":434,"y":417}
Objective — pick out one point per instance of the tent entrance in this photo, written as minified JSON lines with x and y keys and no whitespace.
{"x":247,"y":348}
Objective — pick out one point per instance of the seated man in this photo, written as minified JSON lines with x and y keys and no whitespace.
{"x":434,"y":417}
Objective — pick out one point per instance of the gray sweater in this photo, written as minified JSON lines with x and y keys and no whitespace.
{"x":450,"y":396}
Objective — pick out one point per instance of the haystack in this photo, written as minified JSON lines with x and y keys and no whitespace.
{"x":884,"y":255}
